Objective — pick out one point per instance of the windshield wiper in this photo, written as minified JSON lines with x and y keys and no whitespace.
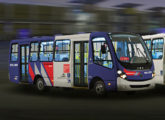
{"x":141,"y":53}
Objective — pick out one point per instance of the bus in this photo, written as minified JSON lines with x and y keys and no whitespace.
{"x":155,"y":44}
{"x":98,"y":61}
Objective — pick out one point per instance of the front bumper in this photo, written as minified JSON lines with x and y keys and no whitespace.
{"x":124,"y":85}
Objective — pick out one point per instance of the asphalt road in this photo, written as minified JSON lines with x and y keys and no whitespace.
{"x":19,"y":102}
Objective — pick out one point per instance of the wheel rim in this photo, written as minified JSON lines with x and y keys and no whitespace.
{"x":99,"y":89}
{"x":40,"y":85}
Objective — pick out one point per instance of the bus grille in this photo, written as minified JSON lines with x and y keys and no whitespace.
{"x":139,"y":86}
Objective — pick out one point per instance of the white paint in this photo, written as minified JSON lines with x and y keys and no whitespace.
{"x":13,"y":65}
{"x":158,"y":63}
{"x":148,"y":72}
{"x":59,"y":80}
{"x":36,"y":69}
{"x":45,"y":77}
{"x":124,"y":85}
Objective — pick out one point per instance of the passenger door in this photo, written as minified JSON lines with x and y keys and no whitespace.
{"x":24,"y":63}
{"x":80,"y":63}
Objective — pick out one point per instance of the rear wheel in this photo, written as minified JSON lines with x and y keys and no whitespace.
{"x":40,"y":84}
{"x":99,"y":88}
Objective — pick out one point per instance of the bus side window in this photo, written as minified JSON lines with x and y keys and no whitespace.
{"x":34,"y":51}
{"x":157,"y":48}
{"x":46,"y":51}
{"x":14,"y":52}
{"x":62,"y":50}
{"x":101,"y":53}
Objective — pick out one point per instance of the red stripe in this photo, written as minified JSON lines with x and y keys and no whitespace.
{"x":49,"y":69}
{"x":31,"y":72}
{"x":129,"y":73}
{"x":124,"y":58}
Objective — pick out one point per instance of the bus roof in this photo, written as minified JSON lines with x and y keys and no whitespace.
{"x":153,"y":36}
{"x":38,"y":38}
{"x":74,"y":37}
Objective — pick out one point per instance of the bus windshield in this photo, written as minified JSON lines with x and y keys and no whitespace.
{"x":130,"y":48}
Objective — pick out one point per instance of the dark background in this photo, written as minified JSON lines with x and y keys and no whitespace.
{"x":23,"y":102}
{"x":38,"y":20}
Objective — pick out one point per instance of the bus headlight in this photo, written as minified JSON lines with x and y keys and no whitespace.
{"x":153,"y":74}
{"x":121,"y":74}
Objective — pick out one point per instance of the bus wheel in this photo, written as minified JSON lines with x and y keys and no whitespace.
{"x":40,"y":84}
{"x":99,"y":88}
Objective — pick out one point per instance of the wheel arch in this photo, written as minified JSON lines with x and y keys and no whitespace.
{"x":36,"y":77}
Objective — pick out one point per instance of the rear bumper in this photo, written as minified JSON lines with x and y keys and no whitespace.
{"x":124,"y":85}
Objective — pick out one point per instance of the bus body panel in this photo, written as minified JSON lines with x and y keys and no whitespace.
{"x":14,"y":73}
{"x":108,"y":75}
{"x":159,"y":71}
{"x":34,"y":68}
{"x":137,"y":75}
{"x":124,"y":85}
{"x":43,"y":69}
{"x":64,"y":71}
{"x":136,"y":79}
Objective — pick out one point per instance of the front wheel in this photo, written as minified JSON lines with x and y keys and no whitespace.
{"x":99,"y":88}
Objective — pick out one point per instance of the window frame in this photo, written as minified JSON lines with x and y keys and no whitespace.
{"x":150,"y":44}
{"x":34,"y":51}
{"x":102,"y":60}
{"x":62,"y":50}
{"x":44,"y":51}
{"x":152,"y":47}
{"x":14,"y":52}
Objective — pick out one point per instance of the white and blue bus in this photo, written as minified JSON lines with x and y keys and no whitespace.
{"x":99,"y":61}
{"x":155,"y":44}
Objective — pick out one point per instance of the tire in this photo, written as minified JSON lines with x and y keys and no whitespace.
{"x":99,"y":88}
{"x":40,"y":85}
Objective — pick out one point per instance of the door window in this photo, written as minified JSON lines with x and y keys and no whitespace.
{"x":157,"y":48}
{"x":148,"y":43}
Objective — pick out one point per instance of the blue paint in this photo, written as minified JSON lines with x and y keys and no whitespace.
{"x":15,"y":70}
